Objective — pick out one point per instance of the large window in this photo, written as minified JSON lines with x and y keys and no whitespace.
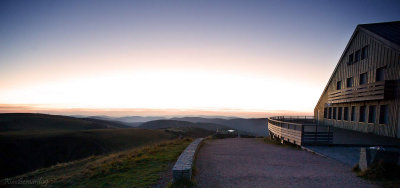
{"x":334,"y":113}
{"x":364,"y":52}
{"x":349,"y":82}
{"x":325,"y":113}
{"x":340,"y":110}
{"x":353,"y":113}
{"x":380,"y":74}
{"x":346,"y":113}
{"x":357,"y":56}
{"x":339,"y":85}
{"x":362,"y":114}
{"x":363,"y":78}
{"x":372,"y":114}
{"x":330,"y":113}
{"x":383,"y":114}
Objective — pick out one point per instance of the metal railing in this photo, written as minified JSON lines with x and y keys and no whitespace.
{"x":300,"y":130}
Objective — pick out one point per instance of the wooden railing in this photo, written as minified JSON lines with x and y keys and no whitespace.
{"x":372,"y":91}
{"x":300,"y":130}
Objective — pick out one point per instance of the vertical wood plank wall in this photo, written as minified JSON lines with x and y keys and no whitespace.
{"x":379,"y":55}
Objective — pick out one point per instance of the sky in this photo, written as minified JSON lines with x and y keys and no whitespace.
{"x":243,"y":58}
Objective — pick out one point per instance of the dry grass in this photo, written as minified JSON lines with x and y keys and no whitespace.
{"x":268,"y":140}
{"x":386,"y":175}
{"x":133,"y":168}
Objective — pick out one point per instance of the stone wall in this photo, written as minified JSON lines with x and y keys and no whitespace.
{"x":183,"y":166}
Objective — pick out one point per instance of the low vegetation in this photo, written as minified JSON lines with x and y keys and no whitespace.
{"x":139,"y":167}
{"x":386,"y":175}
{"x":269,"y":140}
{"x":24,"y":151}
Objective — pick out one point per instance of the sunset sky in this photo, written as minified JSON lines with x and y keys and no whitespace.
{"x":199,"y":56}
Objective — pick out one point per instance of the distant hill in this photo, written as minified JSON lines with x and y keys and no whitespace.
{"x":162,"y":124}
{"x":256,"y":126}
{"x":29,"y":121}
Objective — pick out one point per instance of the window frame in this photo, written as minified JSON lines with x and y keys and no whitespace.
{"x":339,"y":85}
{"x":346,"y":113}
{"x":366,"y":78}
{"x":385,"y":115}
{"x":364,"y":52}
{"x":357,"y":56}
{"x":372,"y":117}
{"x":347,"y":82}
{"x":382,"y":72}
{"x":362,"y":114}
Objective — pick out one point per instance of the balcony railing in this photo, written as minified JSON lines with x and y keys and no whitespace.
{"x":300,"y":130}
{"x":372,"y":91}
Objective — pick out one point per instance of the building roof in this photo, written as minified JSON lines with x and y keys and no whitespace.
{"x":387,"y":30}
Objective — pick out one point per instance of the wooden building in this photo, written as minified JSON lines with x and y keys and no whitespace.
{"x":363,"y":92}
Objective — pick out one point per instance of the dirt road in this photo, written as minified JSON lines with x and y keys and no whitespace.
{"x":245,"y":162}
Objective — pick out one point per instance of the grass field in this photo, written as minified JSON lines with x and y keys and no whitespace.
{"x":140,"y":167}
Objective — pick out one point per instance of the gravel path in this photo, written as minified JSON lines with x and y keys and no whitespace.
{"x":244,"y":162}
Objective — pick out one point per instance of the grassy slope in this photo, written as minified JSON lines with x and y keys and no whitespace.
{"x":23,"y":151}
{"x":133,"y":168}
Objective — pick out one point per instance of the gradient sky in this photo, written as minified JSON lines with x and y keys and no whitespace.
{"x":250,"y":56}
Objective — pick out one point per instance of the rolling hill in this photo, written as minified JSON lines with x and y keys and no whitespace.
{"x":28,"y":121}
{"x":255,"y":126}
{"x":162,"y":124}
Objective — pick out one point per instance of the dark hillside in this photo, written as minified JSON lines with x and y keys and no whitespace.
{"x":23,"y":151}
{"x":28,"y":121}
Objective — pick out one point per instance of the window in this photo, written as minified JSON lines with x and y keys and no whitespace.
{"x":350,"y":59}
{"x":371,"y":114}
{"x":334,"y":113}
{"x":346,"y":113}
{"x":325,"y":113}
{"x":363,"y":78}
{"x":364,"y":52}
{"x":357,"y":56}
{"x":330,"y":113}
{"x":340,"y":110}
{"x":353,"y":113}
{"x":380,"y":74}
{"x":339,"y":85}
{"x":383,"y":114}
{"x":349,"y":82}
{"x":362,"y":114}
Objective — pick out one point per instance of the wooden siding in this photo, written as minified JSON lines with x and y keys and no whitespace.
{"x":379,"y":55}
